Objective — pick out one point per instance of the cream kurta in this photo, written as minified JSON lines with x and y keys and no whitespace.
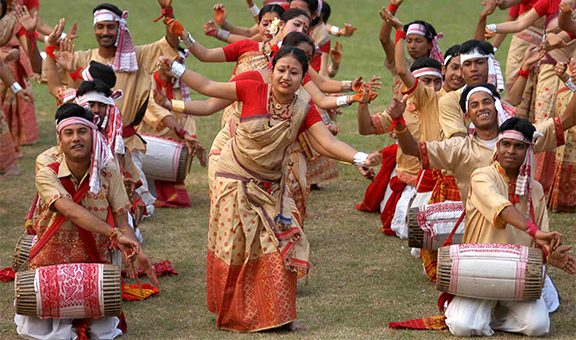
{"x":422,"y":120}
{"x":134,"y":85}
{"x":464,"y":155}
{"x":489,"y":195}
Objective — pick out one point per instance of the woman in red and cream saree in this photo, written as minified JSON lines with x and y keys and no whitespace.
{"x":256,"y":247}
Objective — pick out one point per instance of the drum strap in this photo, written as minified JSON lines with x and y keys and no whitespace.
{"x":86,"y":236}
{"x":451,"y":236}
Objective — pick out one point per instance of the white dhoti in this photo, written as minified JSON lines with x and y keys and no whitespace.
{"x":475,"y":317}
{"x":34,"y":328}
{"x":143,"y":191}
{"x":400,"y":220}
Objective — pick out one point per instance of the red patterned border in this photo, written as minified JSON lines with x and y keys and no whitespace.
{"x":559,"y":129}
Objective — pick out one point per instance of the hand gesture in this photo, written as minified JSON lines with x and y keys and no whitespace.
{"x":65,"y":57}
{"x":532,"y":56}
{"x":387,"y":16}
{"x":165,"y":63}
{"x":489,"y":7}
{"x":160,"y":99}
{"x":175,"y":27}
{"x":26,"y":95}
{"x":554,"y":41}
{"x":73,"y":32}
{"x":145,"y":265}
{"x":397,"y":108}
{"x":560,"y":69}
{"x":346,"y":31}
{"x":128,"y":245}
{"x":375,"y":83}
{"x":250,"y":3}
{"x":27,"y":20}
{"x":210,"y":29}
{"x":366,"y":172}
{"x":165,"y":3}
{"x":396,"y":3}
{"x":365,"y":96}
{"x":374,"y":159}
{"x":560,"y":257}
{"x":336,"y":53}
{"x":220,"y":14}
{"x":191,"y":143}
{"x":130,"y":185}
{"x":567,"y":6}
{"x":53,"y":38}
{"x":546,"y":239}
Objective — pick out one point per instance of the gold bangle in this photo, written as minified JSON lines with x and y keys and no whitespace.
{"x":178,"y":106}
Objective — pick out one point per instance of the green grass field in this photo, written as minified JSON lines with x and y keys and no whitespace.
{"x":361,"y":279}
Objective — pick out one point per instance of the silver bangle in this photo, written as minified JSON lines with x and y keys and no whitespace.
{"x":15,"y":87}
{"x":360,"y":158}
{"x":177,"y":70}
{"x":342,"y":101}
{"x":334,"y":30}
{"x":223,"y":35}
{"x":491,"y":28}
{"x":346,"y":85}
{"x":570,"y":85}
{"x":189,"y":42}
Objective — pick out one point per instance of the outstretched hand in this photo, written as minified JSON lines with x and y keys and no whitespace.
{"x":561,"y":258}
{"x":220,"y":14}
{"x":387,"y":16}
{"x":346,"y":31}
{"x":65,"y":57}
{"x":145,"y":265}
{"x":210,"y":29}
{"x":374,"y":159}
{"x":175,"y":27}
{"x":25,"y":18}
{"x":54,"y":36}
{"x":397,"y":108}
{"x":336,"y":53}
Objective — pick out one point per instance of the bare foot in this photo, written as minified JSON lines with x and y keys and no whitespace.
{"x":12,"y":170}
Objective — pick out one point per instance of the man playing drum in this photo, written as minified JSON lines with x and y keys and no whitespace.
{"x":81,"y":196}
{"x":506,"y":206}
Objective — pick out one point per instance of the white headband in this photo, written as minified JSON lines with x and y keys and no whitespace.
{"x":94,"y":96}
{"x":474,"y":54}
{"x":105,"y":15}
{"x":476,"y":90}
{"x":418,"y":29}
{"x":427,"y":71}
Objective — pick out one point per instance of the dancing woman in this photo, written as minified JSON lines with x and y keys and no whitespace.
{"x":256,"y":249}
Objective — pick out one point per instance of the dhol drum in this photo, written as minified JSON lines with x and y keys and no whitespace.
{"x":22,"y":252}
{"x":502,"y":272}
{"x":430,"y":225}
{"x":70,"y":291}
{"x":165,"y":159}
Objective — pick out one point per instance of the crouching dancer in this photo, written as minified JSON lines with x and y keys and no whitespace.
{"x":78,"y":195}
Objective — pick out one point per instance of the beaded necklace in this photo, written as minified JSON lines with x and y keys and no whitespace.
{"x":274,"y":106}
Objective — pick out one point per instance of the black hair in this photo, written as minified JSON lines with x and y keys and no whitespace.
{"x":296,"y":53}
{"x":425,"y":62}
{"x":483,"y":46}
{"x":94,"y":86}
{"x":452,"y":52}
{"x":293,"y":13}
{"x":467,"y":90}
{"x":68,"y":110}
{"x":326,"y":11}
{"x":430,"y":30}
{"x":312,"y":6}
{"x":109,"y":7}
{"x":4,"y":8}
{"x":274,"y":8}
{"x":295,"y":38}
{"x":518,"y":124}
{"x":102,"y":72}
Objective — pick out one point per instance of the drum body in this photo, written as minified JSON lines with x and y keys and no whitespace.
{"x":22,"y":252}
{"x":165,"y":159}
{"x":501,"y":272}
{"x":430,"y":225}
{"x":69,"y":291}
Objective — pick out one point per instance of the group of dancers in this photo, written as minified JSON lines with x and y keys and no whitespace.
{"x":494,"y":164}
